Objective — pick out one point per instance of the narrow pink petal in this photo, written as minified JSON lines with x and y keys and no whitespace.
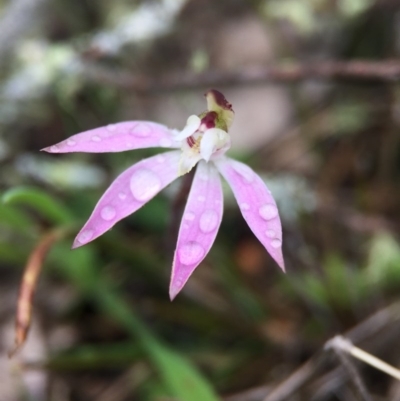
{"x":257,"y":205}
{"x":200,"y":223}
{"x":117,"y":138}
{"x":129,"y":192}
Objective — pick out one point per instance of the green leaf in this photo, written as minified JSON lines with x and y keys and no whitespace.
{"x":17,"y":220}
{"x":96,"y":356}
{"x":42,"y":202}
{"x":181,"y":376}
{"x":384,"y":261}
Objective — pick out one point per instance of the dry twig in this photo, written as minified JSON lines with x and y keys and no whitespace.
{"x":29,"y":284}
{"x":353,"y":71}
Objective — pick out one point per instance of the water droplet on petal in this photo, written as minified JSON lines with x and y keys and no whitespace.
{"x":245,"y":172}
{"x":268,"y":211}
{"x":208,"y":221}
{"x":122,"y":195}
{"x":142,"y":130}
{"x":201,"y":198}
{"x":71,"y":142}
{"x":244,"y":206}
{"x":54,"y":149}
{"x":270,"y":233}
{"x":190,"y":253}
{"x":111,"y":127}
{"x":165,"y":142}
{"x":96,"y":138}
{"x":108,"y":213}
{"x":144,"y":184}
{"x":160,"y":159}
{"x":85,"y":236}
{"x":190,"y":216}
{"x":276,"y":243}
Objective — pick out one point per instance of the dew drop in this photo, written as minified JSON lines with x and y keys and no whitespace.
{"x":142,"y":130}
{"x":54,"y":149}
{"x":244,"y":206}
{"x":201,"y":198}
{"x":270,"y":233}
{"x":268,"y":211}
{"x":244,"y":171}
{"x":85,"y":236}
{"x":122,"y":195}
{"x":144,"y":184}
{"x":208,"y":221}
{"x":108,"y":213}
{"x":276,"y":243}
{"x":190,"y":253}
{"x":71,"y":142}
{"x":165,"y":142}
{"x":111,"y":127}
{"x":190,"y":216}
{"x":96,"y":138}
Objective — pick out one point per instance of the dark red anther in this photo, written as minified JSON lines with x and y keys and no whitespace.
{"x":190,"y":141}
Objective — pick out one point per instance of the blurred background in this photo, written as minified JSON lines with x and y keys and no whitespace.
{"x":103,"y":327}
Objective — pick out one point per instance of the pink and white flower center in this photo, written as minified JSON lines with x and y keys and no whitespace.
{"x":201,"y":139}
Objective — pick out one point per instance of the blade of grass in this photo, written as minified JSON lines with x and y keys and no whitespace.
{"x":40,"y":201}
{"x":17,"y":220}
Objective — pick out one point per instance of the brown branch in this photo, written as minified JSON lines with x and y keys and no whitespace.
{"x":352,"y":71}
{"x":352,"y":372}
{"x":28,"y":285}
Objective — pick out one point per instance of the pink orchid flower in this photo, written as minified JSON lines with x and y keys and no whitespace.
{"x":203,"y":141}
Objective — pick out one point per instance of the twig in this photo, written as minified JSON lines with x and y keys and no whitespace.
{"x":352,"y":71}
{"x":345,"y":345}
{"x":254,"y":394}
{"x":337,"y":344}
{"x":297,"y":379}
{"x":29,"y":283}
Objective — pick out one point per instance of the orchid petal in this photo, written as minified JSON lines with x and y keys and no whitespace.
{"x":257,"y":205}
{"x":117,"y":138}
{"x":129,"y":192}
{"x":192,"y":125}
{"x":212,"y":140}
{"x":201,"y":220}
